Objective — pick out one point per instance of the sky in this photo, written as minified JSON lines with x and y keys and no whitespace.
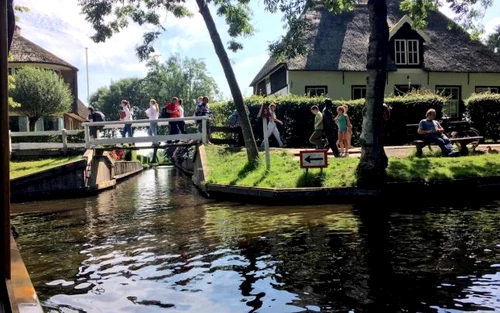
{"x":58,"y":26}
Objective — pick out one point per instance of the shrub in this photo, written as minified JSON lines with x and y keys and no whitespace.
{"x":484,"y":109}
{"x":295,"y":112}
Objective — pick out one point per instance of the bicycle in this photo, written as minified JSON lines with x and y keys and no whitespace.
{"x":461,"y":129}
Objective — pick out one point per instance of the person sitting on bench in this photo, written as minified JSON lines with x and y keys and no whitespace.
{"x":434,"y":133}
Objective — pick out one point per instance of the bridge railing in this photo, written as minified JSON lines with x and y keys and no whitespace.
{"x":63,"y":144}
{"x":89,"y":141}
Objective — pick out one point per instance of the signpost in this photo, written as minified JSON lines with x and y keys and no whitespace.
{"x":313,"y":159}
{"x":264,"y":114}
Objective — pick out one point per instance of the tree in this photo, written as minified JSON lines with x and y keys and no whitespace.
{"x":41,"y":93}
{"x":237,"y":16}
{"x":184,"y":78}
{"x":493,"y":40}
{"x":373,"y":163}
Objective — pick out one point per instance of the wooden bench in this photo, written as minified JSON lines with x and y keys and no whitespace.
{"x":420,"y":142}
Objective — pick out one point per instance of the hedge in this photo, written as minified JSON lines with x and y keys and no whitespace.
{"x":296,"y":114}
{"x":484,"y":110}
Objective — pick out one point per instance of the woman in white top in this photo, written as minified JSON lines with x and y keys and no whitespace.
{"x":153,"y":112}
{"x":126,"y":115}
{"x":272,"y":128}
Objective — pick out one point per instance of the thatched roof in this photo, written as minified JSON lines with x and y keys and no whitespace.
{"x":25,"y":51}
{"x":340,"y":43}
{"x":82,"y":109}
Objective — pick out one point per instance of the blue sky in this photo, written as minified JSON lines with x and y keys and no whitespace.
{"x":58,"y":26}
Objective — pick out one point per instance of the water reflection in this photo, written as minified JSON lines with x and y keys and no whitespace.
{"x":152,"y":245}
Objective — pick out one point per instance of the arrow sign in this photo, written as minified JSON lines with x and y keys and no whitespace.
{"x":309,"y":159}
{"x":313,"y":159}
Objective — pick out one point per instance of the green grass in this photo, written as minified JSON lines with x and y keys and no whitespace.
{"x":22,"y":168}
{"x":228,"y":167}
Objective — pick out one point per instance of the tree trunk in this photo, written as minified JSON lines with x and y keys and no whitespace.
{"x":246,"y":128}
{"x":11,"y":22}
{"x":32,"y":121}
{"x":371,"y":169}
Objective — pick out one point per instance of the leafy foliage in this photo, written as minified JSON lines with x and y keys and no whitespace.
{"x":109,"y":17}
{"x":493,"y":41}
{"x":484,"y":109}
{"x":40,"y":92}
{"x":184,"y":78}
{"x":295,"y":112}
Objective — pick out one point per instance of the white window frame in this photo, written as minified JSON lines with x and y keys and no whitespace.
{"x":450,"y":102}
{"x":485,"y":89}
{"x":316,"y":89}
{"x":406,"y":48}
{"x":360,"y":89}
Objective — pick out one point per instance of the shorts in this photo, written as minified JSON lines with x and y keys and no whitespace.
{"x":343,"y":130}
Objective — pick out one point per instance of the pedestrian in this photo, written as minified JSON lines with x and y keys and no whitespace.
{"x":343,"y":123}
{"x":316,"y":137}
{"x":126,"y":115}
{"x":153,"y":113}
{"x":272,"y":128}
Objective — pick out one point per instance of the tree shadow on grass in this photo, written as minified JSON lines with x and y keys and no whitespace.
{"x":474,"y":170}
{"x":247,"y":169}
{"x":415,"y":169}
{"x":311,"y":179}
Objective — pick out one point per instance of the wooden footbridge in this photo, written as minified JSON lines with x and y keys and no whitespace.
{"x":113,"y":142}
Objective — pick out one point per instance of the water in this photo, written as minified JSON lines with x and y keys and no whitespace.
{"x":153,"y":245}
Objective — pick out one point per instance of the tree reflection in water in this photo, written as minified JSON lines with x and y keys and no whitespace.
{"x":153,"y":244}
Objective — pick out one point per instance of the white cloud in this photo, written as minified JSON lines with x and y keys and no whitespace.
{"x":491,"y":25}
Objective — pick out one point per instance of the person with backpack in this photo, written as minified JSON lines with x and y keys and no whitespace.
{"x":95,"y":116}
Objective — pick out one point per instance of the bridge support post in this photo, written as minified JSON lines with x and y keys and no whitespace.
{"x":204,"y":137}
{"x":86,"y":131}
{"x":64,"y":141}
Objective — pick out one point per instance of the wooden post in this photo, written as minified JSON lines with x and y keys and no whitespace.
{"x":64,"y":141}
{"x":266,"y":143}
{"x":204,"y":137}
{"x":4,"y":144}
{"x":87,"y":136}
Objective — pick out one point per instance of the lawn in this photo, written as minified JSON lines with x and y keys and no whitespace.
{"x":228,"y":167}
{"x":22,"y":168}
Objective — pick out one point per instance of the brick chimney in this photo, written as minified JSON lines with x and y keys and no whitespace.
{"x":17,"y":30}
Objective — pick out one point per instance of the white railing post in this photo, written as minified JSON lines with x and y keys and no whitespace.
{"x":64,"y":141}
{"x":204,"y":138}
{"x":87,"y":136}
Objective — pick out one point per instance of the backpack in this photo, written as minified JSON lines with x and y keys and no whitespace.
{"x":233,"y":119}
{"x":164,"y":113}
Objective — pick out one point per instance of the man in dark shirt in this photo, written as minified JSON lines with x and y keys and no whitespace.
{"x":434,"y":132}
{"x":95,"y":116}
{"x":330,"y":127}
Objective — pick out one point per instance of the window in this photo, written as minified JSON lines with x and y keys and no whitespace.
{"x":480,"y":89}
{"x":406,"y":52}
{"x":14,"y":123}
{"x":358,"y":92}
{"x":313,"y":91}
{"x":452,"y":93}
{"x":401,"y":90}
{"x":50,"y":123}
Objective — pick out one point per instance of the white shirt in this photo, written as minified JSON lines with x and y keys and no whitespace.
{"x":152,"y":113}
{"x":128,"y":114}
{"x":181,"y":111}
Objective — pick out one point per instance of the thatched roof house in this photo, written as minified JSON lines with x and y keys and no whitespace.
{"x":26,"y":53}
{"x":335,"y":62}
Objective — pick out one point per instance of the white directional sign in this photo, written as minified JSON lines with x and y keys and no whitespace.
{"x":313,"y":159}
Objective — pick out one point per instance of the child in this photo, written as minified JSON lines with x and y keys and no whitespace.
{"x":315,"y":138}
{"x":343,"y":124}
{"x":272,"y":128}
{"x":349,"y":129}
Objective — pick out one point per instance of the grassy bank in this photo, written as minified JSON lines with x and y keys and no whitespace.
{"x":230,"y":168}
{"x":22,"y":168}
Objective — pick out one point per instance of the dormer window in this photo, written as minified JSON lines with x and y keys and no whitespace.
{"x":406,"y":52}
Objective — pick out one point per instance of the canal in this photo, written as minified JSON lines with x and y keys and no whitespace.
{"x":153,"y":245}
